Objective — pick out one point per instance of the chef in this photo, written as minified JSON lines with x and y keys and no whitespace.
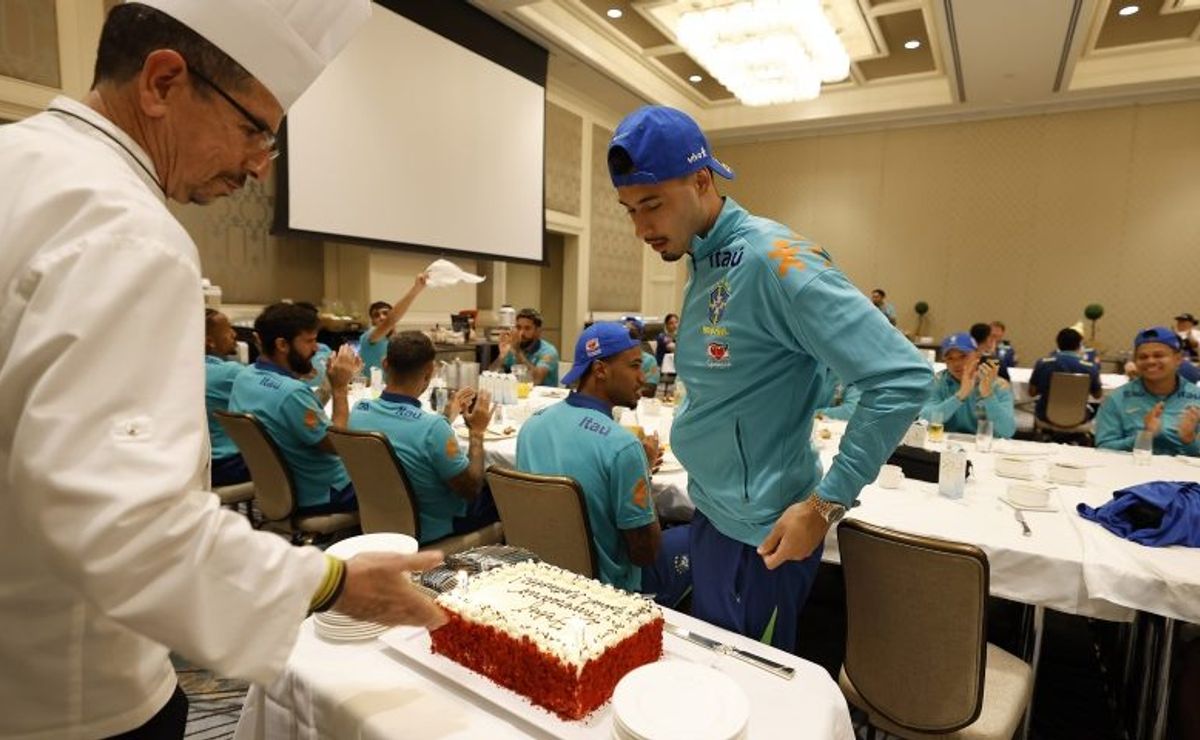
{"x":112,"y":553}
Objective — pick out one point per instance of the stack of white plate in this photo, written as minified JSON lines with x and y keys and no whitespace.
{"x":674,"y":699}
{"x":334,"y":626}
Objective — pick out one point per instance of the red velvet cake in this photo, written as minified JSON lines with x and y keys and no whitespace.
{"x":562,"y":640}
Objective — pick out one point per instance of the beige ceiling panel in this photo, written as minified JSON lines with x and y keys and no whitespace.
{"x":684,"y":66}
{"x":636,"y":28}
{"x":1146,"y":26}
{"x":898,"y":28}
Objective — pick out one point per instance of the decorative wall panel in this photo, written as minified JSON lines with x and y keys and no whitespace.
{"x":238,"y":253}
{"x":616,"y":257}
{"x":564,"y":168}
{"x":1025,"y":219}
{"x":29,"y":41}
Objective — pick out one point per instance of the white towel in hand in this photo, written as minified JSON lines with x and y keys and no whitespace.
{"x":444,"y":272}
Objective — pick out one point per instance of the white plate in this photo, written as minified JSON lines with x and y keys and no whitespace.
{"x":1050,"y":506}
{"x":377,"y":542}
{"x":647,"y":703}
{"x":413,"y":645}
{"x":492,"y":434}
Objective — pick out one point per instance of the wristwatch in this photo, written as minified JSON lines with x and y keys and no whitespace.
{"x":831,"y":512}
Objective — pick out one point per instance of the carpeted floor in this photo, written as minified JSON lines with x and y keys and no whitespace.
{"x":214,"y":704}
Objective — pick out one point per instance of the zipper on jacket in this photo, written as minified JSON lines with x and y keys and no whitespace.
{"x":737,"y":434}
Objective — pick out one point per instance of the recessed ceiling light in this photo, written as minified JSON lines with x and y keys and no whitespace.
{"x":695,"y":78}
{"x":912,"y":44}
{"x":1128,"y":10}
{"x":614,"y":13}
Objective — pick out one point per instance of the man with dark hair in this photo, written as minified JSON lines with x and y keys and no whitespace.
{"x":1158,"y":400}
{"x":104,"y":481}
{"x":1003,"y":348}
{"x":987,"y":347}
{"x":374,"y":342}
{"x":273,"y":391}
{"x":220,"y":341}
{"x":1068,"y":359}
{"x":448,"y":482}
{"x":579,"y":439}
{"x":650,"y":369}
{"x":530,"y":351}
{"x":764,"y":313}
{"x":879,"y":299}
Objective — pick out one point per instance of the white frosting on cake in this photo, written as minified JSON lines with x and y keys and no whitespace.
{"x":576,"y":619}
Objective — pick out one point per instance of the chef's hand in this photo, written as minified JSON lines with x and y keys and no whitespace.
{"x":795,"y":535}
{"x":378,"y":590}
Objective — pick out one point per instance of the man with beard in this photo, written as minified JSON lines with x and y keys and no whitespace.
{"x":579,"y":439}
{"x":764,"y":312}
{"x":525,"y":347}
{"x":271,"y":389}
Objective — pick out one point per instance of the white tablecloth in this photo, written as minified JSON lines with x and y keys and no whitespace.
{"x":366,"y":691}
{"x":1019,"y":377}
{"x":1068,"y":564}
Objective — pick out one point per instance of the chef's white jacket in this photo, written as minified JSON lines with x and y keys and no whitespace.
{"x":111,"y":551}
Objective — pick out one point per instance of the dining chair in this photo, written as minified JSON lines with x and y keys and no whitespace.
{"x":917,"y":657}
{"x":547,"y":515}
{"x":274,"y":489}
{"x":386,"y":501}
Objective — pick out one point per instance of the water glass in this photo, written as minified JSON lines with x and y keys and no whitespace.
{"x":1143,"y":448}
{"x":983,"y":435}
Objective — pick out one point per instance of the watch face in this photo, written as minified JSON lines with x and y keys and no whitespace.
{"x":835,"y":514}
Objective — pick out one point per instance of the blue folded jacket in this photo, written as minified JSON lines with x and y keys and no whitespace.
{"x":1157,"y":514}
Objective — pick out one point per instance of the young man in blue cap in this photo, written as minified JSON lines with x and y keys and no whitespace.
{"x":373,"y":345}
{"x":1068,"y":359}
{"x":579,"y":439}
{"x":1158,"y":400}
{"x":763,"y":312}
{"x":968,"y":390}
{"x":447,"y":480}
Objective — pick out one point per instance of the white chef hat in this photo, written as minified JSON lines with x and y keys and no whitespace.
{"x":285,"y":44}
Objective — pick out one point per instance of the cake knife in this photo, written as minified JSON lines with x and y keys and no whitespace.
{"x":766,"y":664}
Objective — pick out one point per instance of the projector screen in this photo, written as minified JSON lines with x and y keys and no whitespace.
{"x":426,"y":133}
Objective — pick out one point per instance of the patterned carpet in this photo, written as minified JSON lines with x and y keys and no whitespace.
{"x":214,"y":704}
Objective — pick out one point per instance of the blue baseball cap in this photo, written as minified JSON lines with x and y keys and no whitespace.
{"x":962,"y":341}
{"x":661,"y":143}
{"x":598,"y":341}
{"x":1159,"y":334}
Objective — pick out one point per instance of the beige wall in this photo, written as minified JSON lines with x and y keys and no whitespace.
{"x":1023,"y":219}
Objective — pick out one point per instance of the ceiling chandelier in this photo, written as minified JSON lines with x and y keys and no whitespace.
{"x":766,"y":51}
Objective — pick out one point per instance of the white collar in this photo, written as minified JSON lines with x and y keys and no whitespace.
{"x":91,"y":121}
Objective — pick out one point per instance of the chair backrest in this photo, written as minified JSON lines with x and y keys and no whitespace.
{"x":385,"y":497}
{"x":916,"y":632}
{"x":1066,"y":401}
{"x":546,"y":514}
{"x":273,"y":486}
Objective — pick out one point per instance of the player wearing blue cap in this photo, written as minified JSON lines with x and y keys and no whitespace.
{"x":1157,"y":401}
{"x":763,"y":312}
{"x":579,"y":439}
{"x":968,"y":390}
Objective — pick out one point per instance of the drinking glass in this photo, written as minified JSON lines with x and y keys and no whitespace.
{"x":1143,"y":448}
{"x":983,"y":435}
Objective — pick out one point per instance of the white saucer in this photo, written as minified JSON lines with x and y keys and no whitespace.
{"x":648,"y":703}
{"x":1026,"y":507}
{"x":377,"y":542}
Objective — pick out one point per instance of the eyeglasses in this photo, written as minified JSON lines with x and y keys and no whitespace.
{"x":269,"y":142}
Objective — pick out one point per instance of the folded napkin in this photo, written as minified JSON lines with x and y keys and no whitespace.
{"x":444,"y":272}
